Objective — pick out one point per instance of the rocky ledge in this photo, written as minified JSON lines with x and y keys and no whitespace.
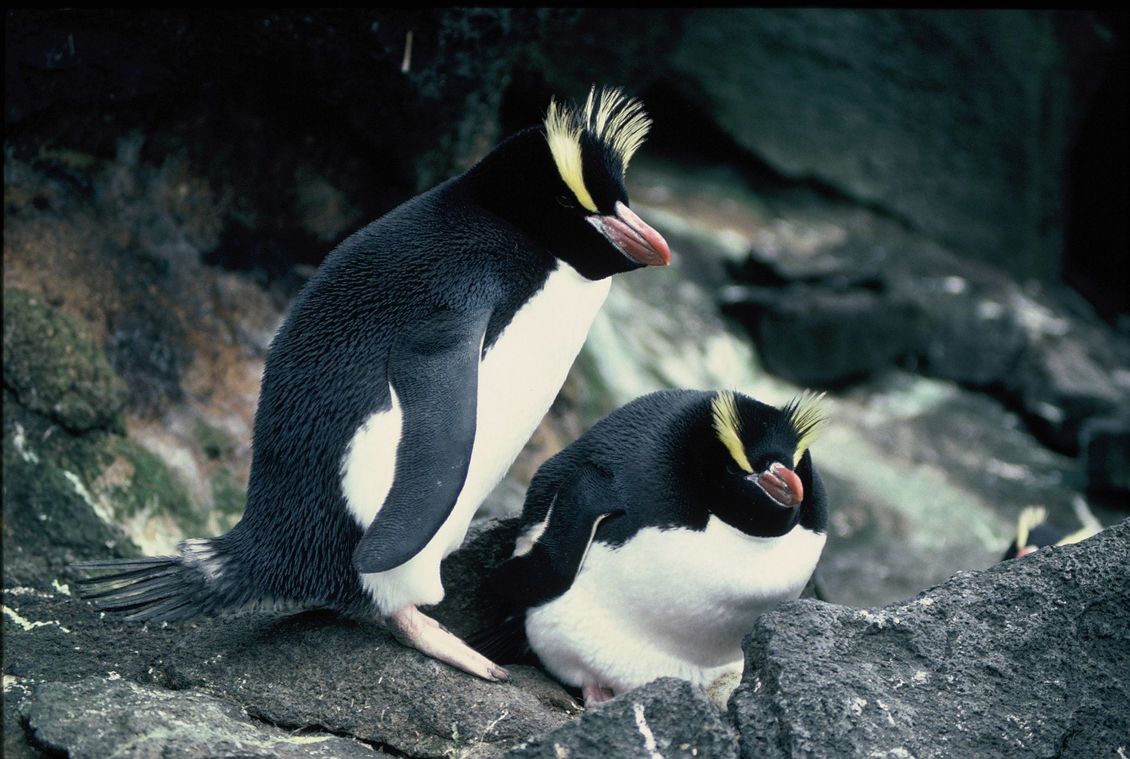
{"x":1028,"y":658}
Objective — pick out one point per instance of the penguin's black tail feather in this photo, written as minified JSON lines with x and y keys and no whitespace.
{"x":162,"y":588}
{"x":505,"y":642}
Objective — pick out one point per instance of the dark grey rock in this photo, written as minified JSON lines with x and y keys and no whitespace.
{"x":667,"y":717}
{"x":467,"y":604}
{"x":1105,"y":444}
{"x":912,"y":111}
{"x":1060,"y":384}
{"x":312,"y":671}
{"x":1028,"y":658}
{"x":100,"y":717}
{"x":816,"y":336}
{"x":316,"y":669}
{"x":969,"y":333}
{"x":853,"y":310}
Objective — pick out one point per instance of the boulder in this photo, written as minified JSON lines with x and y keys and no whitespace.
{"x":1062,"y":381}
{"x":1030,"y":657}
{"x":882,"y":299}
{"x":1106,"y":454}
{"x":825,"y":337}
{"x":307,"y":672}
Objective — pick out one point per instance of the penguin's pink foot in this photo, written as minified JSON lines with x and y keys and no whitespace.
{"x":414,"y":628}
{"x":594,"y":693}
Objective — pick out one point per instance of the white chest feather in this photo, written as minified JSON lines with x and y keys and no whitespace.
{"x":518,"y":380}
{"x":669,"y":603}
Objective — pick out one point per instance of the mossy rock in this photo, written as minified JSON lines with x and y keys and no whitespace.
{"x":136,"y":488}
{"x":55,"y":368}
{"x":50,"y":517}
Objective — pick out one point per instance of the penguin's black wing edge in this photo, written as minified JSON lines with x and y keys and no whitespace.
{"x":554,"y":559}
{"x":433,"y":369}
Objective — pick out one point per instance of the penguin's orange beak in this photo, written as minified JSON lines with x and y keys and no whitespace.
{"x":632,"y":236}
{"x":781,"y":484}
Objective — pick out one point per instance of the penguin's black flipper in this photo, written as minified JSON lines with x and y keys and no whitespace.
{"x":433,"y":369}
{"x":549,"y":561}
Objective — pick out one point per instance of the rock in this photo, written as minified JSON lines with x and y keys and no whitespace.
{"x":1105,"y":443}
{"x":98,"y":717}
{"x":849,"y":309}
{"x":914,"y":132}
{"x":303,"y":672}
{"x":54,"y":367}
{"x":1029,"y":657}
{"x":968,"y":333}
{"x":50,"y":516}
{"x":467,"y":605}
{"x":668,"y":717}
{"x":354,"y":679}
{"x":1060,"y":384}
{"x":824,"y":337}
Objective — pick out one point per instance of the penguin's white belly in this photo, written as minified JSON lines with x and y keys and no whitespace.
{"x":518,"y":379}
{"x":668,"y":603}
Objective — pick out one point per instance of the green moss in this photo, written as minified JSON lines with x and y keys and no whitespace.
{"x":49,"y":520}
{"x":55,"y":368}
{"x":132,"y":480}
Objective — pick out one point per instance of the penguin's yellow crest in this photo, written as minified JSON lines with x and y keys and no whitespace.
{"x":728,"y":427}
{"x":616,"y":123}
{"x":1029,"y":517}
{"x":806,"y":415}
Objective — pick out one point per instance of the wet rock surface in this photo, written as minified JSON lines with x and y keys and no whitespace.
{"x":1030,"y":657}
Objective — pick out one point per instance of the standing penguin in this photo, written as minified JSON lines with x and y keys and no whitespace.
{"x":649,"y":546}
{"x":407,"y":376}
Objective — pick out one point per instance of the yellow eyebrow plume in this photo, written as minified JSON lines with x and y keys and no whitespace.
{"x":728,"y":427}
{"x":1029,"y":518}
{"x":564,"y":136}
{"x":806,"y":415}
{"x":617,"y":123}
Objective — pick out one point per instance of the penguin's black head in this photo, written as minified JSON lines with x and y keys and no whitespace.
{"x":758,"y":464}
{"x":563,"y":185}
